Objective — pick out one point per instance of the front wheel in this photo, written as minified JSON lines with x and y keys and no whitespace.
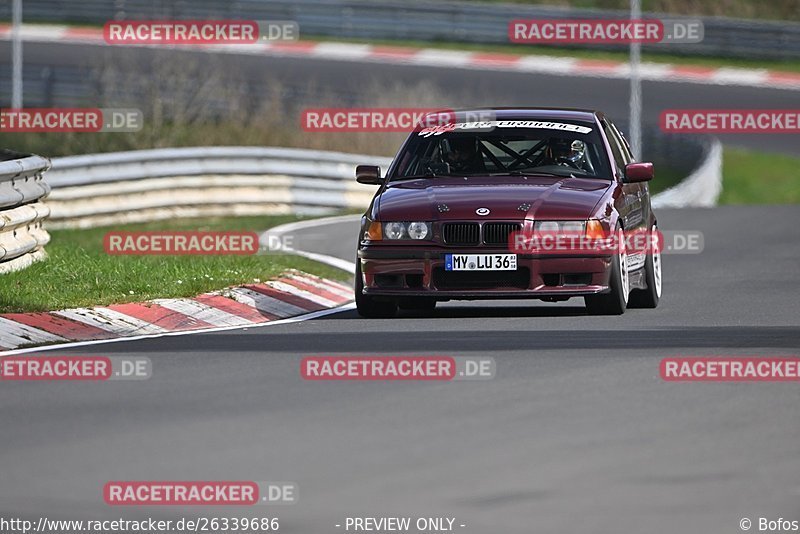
{"x":648,"y":298}
{"x":367,"y":306}
{"x":616,"y":300}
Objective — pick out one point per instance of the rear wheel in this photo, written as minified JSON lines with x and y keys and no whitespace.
{"x":615,"y":301}
{"x":648,"y":298}
{"x":367,"y":306}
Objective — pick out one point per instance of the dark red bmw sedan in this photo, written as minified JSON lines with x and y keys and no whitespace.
{"x":462,"y":201}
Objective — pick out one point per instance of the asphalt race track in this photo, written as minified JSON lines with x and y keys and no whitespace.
{"x":577,"y":432}
{"x":463,"y":87}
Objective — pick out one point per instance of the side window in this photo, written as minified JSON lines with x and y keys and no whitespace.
{"x":615,"y":147}
{"x":623,"y":144}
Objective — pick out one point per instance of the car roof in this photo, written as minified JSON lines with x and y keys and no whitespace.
{"x":536,"y":113}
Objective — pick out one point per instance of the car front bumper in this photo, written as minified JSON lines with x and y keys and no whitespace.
{"x":419,"y":272}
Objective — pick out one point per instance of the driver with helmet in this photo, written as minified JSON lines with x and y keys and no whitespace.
{"x":568,"y":153}
{"x":462,"y":155}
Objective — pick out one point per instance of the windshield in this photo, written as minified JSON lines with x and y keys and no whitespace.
{"x":503,"y":148}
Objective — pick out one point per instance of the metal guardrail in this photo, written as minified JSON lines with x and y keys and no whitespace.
{"x":22,"y":188}
{"x":149,"y":185}
{"x":417,"y":20}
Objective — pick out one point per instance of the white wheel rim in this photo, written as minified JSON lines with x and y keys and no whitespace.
{"x":623,"y":266}
{"x":657,"y":268}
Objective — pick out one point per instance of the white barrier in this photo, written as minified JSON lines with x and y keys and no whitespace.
{"x":149,"y":185}
{"x":22,"y":188}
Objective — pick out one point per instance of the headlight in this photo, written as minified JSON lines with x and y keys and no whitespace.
{"x":546,"y":226}
{"x":407,"y":230}
{"x":561,"y":227}
{"x":573,"y":227}
{"x":394,"y":230}
{"x":418,"y":230}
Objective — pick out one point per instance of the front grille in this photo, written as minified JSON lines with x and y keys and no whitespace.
{"x":497,"y":233}
{"x":519,"y":279}
{"x":461,"y":233}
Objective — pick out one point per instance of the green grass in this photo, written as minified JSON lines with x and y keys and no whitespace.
{"x":79,"y":273}
{"x":751,"y":177}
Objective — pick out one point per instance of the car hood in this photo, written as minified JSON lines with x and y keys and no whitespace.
{"x":506,"y":198}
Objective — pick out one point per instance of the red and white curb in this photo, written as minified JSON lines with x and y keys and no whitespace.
{"x":292,"y":296}
{"x":543,"y":64}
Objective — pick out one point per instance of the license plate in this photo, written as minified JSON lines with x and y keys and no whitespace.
{"x":480,"y":262}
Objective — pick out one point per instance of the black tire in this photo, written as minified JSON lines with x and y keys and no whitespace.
{"x":367,"y":306}
{"x":615,"y":301}
{"x":418,"y":304}
{"x":648,"y":298}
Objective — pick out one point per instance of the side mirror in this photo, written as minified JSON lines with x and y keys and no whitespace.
{"x":368,"y":174}
{"x":638,"y":172}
